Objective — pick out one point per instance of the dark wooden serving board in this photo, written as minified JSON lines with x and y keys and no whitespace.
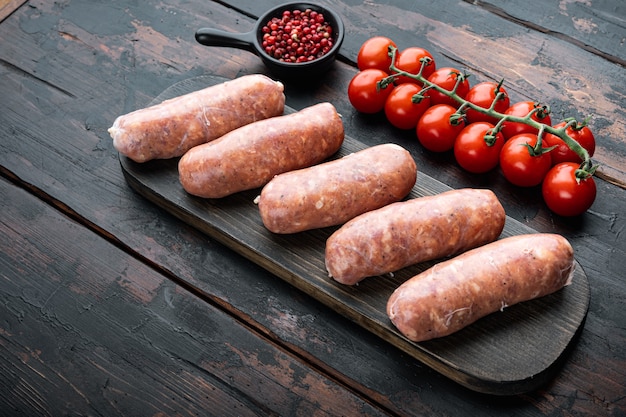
{"x":506,"y":353}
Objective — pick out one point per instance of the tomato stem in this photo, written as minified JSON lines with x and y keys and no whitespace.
{"x":587,"y":167}
{"x":490,"y":137}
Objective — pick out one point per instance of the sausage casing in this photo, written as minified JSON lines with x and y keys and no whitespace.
{"x":250,"y":156}
{"x":170,"y":128}
{"x":457,"y":292}
{"x":334,"y":192}
{"x":408,"y":232}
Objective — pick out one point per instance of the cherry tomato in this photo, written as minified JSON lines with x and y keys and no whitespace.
{"x":400,"y":109}
{"x":521,"y":109}
{"x":471,"y":150}
{"x":374,"y":53}
{"x":562,"y":153}
{"x":483,"y":95}
{"x":565,"y":194}
{"x":446,"y":78}
{"x":409,"y":60}
{"x":435,"y":131}
{"x":519,"y":166}
{"x":364,"y":93}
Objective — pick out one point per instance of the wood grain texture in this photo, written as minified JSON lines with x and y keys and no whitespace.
{"x":595,"y":26}
{"x":498,"y":355}
{"x":67,"y":73}
{"x":107,"y":335}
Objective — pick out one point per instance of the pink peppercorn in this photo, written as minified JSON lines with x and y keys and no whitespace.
{"x":297,"y":36}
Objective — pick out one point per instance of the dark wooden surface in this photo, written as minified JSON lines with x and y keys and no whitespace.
{"x":111,"y":306}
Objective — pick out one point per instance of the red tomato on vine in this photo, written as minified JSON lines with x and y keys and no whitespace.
{"x":476,"y":149}
{"x":446,"y":78}
{"x":364,"y":93}
{"x":402,"y":110}
{"x":483,"y":95}
{"x":436,"y":131}
{"x":374,"y":53}
{"x":581,"y":133}
{"x":522,"y":109}
{"x":564,"y":193}
{"x":520,"y":164}
{"x":410,"y":60}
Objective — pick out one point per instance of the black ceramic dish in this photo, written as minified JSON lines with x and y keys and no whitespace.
{"x":251,"y":41}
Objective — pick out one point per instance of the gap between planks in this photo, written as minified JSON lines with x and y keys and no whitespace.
{"x":9,"y":6}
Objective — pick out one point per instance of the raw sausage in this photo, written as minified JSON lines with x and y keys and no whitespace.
{"x":250,"y":156}
{"x":169,"y":129}
{"x":408,"y":232}
{"x":334,"y":192}
{"x":459,"y":291}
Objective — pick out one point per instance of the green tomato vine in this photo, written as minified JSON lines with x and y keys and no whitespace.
{"x":586,"y":169}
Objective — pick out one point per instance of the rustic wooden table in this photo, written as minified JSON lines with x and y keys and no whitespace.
{"x":110,"y":305}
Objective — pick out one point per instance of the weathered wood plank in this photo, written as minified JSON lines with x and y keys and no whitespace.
{"x":107,"y":335}
{"x":597,"y":26}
